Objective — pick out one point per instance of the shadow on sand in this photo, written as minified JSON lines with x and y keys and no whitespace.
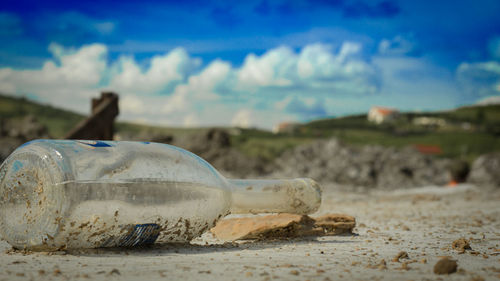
{"x":194,"y":249}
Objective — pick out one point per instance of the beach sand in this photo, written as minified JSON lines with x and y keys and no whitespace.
{"x":422,"y":222}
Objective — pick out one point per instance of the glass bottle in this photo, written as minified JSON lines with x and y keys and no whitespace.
{"x":61,"y":194}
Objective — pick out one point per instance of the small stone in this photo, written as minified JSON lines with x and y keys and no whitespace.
{"x":294,"y":272}
{"x":445,"y":266}
{"x":461,"y":245}
{"x":400,"y":255}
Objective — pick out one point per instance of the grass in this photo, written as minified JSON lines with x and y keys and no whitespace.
{"x":266,"y":146}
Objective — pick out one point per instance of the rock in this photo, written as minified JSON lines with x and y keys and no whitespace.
{"x":484,"y":171}
{"x":369,"y":166}
{"x":271,"y":226}
{"x":445,"y":266}
{"x":459,"y":170}
{"x":400,"y":255}
{"x":282,"y":226}
{"x":461,"y":245}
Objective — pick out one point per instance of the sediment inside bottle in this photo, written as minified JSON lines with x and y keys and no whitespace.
{"x":133,"y":212}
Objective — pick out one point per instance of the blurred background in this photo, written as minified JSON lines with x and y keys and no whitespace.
{"x":360,"y":94}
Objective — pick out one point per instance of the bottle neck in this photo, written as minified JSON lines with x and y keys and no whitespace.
{"x":297,"y":196}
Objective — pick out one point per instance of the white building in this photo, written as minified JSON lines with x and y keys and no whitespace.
{"x":429,"y":121}
{"x":379,"y":115}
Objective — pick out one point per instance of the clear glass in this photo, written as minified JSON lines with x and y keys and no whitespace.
{"x":58,"y":194}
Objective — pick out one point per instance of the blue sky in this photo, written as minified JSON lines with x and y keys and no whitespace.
{"x":254,"y":63}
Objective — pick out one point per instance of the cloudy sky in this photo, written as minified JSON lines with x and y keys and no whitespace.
{"x":254,"y":63}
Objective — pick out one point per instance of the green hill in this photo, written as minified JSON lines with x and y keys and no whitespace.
{"x":467,"y":133}
{"x":58,"y":121}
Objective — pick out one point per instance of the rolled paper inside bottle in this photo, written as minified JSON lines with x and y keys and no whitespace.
{"x":297,"y":196}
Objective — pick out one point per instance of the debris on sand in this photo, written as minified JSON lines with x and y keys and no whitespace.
{"x":461,"y":245}
{"x":282,"y":226}
{"x":382,"y":265}
{"x":114,"y":271}
{"x":400,"y":255}
{"x":445,"y":266}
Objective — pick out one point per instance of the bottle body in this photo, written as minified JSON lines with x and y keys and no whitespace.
{"x":86,"y":194}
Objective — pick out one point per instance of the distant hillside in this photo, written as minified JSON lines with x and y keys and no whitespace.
{"x":487,"y":115}
{"x":469,"y":131}
{"x":58,"y":121}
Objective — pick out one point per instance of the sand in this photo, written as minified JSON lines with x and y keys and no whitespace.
{"x":421,"y":222}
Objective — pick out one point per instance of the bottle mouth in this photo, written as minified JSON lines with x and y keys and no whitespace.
{"x":298,"y":196}
{"x":31,"y":202}
{"x":309,"y":195}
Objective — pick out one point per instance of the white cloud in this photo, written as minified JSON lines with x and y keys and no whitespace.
{"x":170,"y":90}
{"x":251,"y":117}
{"x":164,"y":70}
{"x":132,"y":104}
{"x":480,"y":79}
{"x":280,"y":85}
{"x":68,"y":80}
{"x":274,"y":68}
{"x":315,"y":67}
{"x":490,"y":100}
{"x":303,"y":107}
{"x":314,"y":58}
{"x":191,"y":120}
{"x":200,"y":88}
{"x":242,"y":119}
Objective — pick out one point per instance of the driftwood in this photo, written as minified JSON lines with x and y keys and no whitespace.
{"x":99,"y":125}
